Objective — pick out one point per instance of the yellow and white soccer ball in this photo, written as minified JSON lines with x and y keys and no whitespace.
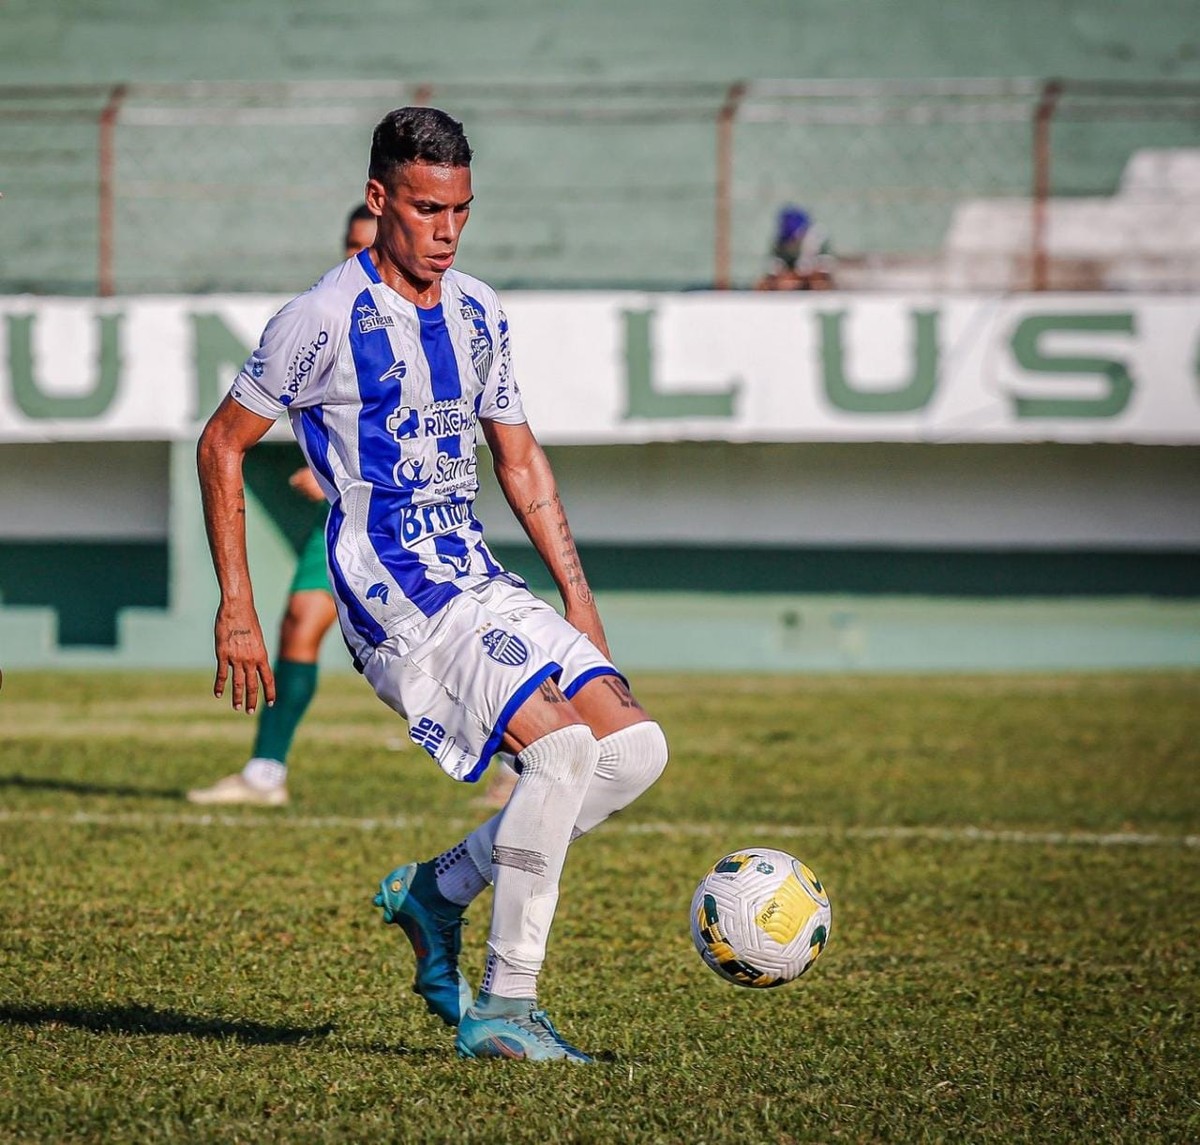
{"x":760,"y":917}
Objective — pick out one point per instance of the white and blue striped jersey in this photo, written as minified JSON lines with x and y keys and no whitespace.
{"x":384,"y":399}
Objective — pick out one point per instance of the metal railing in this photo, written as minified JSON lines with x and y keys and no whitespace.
{"x":242,"y":186}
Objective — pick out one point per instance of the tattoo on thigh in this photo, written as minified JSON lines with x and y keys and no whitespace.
{"x":623,"y":694}
{"x":550,"y":693}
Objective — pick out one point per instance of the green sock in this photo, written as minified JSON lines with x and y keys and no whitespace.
{"x":295,"y":685}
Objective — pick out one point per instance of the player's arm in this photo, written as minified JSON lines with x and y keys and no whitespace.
{"x":528,"y":484}
{"x":239,"y":644}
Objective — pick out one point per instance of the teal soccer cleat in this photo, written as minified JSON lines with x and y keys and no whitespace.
{"x":436,"y":937}
{"x":514,"y":1029}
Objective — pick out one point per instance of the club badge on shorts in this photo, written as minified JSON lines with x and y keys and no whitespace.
{"x":505,"y":648}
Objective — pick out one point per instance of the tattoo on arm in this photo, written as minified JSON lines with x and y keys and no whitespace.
{"x":544,"y":503}
{"x":571,"y":564}
{"x":572,"y":567}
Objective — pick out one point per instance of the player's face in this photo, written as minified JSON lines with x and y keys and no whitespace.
{"x":421,"y":216}
{"x":360,"y":236}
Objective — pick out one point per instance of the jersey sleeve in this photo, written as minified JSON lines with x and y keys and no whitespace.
{"x":501,"y":395}
{"x":293,"y":361}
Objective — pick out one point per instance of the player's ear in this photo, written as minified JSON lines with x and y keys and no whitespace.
{"x":375,"y":196}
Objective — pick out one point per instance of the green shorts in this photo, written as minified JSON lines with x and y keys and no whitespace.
{"x":312,"y":571}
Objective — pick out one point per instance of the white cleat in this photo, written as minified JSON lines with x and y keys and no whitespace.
{"x":235,"y":789}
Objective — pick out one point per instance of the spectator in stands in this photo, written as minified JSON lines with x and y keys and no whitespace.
{"x":801,"y":256}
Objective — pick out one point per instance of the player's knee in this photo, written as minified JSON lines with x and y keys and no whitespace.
{"x":567,"y":755}
{"x":634,"y":756}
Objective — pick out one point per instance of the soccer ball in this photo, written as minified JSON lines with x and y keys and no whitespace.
{"x":760,"y":917}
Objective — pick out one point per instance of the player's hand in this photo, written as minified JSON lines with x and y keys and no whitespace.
{"x":242,"y":655}
{"x":306,"y":485}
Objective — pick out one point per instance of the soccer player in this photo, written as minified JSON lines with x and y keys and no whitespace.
{"x":309,"y":615}
{"x":386,"y":368}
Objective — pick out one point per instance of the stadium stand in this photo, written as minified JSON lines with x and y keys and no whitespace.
{"x":623,"y":103}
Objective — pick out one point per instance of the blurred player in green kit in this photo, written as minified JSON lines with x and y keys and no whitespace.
{"x":309,"y":615}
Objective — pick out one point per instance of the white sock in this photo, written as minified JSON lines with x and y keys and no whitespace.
{"x":630,"y":761}
{"x":527,"y":856}
{"x":265,"y":774}
{"x":457,"y":876}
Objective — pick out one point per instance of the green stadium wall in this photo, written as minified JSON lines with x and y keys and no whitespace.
{"x":143,"y":603}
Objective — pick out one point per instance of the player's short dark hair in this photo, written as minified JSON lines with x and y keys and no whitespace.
{"x":416,"y":135}
{"x":360,"y":213}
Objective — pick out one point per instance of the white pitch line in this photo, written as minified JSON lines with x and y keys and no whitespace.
{"x":150,"y":820}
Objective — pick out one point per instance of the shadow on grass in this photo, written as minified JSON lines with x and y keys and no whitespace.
{"x":134,"y":1019}
{"x":396,"y":1050}
{"x":73,"y":787}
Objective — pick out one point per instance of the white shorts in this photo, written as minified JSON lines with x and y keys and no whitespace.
{"x":460,"y":676}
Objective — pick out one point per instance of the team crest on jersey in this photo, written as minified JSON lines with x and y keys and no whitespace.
{"x":370,"y":319}
{"x":481,"y":340}
{"x":481,"y":356}
{"x":505,"y":648}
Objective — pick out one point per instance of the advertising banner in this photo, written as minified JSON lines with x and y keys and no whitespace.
{"x":629,"y":367}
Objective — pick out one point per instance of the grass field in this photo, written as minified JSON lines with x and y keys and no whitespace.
{"x":1014,"y":865}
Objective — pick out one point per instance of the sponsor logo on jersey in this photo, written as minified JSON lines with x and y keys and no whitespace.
{"x":452,"y":473}
{"x":420,"y":522}
{"x":404,"y":423}
{"x":505,"y":648}
{"x":427,"y":734}
{"x":301,"y":366}
{"x":409,"y":473}
{"x":378,"y":589}
{"x":448,"y":418}
{"x":449,"y":475}
{"x":370,"y":319}
{"x":398,"y":370}
{"x":506,"y":388}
